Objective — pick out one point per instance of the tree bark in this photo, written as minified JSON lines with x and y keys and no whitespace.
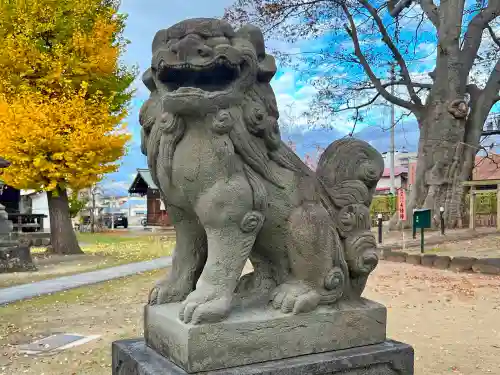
{"x":63,"y":237}
{"x":447,"y":136}
{"x":440,"y":166}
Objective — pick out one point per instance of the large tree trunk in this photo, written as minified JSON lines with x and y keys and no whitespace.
{"x":62,"y":234}
{"x":447,"y":147}
{"x":449,"y":135}
{"x":440,"y":167}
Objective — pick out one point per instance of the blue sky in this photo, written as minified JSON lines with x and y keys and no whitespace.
{"x":294,"y":91}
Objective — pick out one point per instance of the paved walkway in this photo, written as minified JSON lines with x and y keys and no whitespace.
{"x":21,"y":292}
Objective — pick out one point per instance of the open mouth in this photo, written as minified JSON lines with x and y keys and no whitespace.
{"x":216,"y":76}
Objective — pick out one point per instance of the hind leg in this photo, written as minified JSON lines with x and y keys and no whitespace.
{"x":311,"y":245}
{"x":257,"y":285}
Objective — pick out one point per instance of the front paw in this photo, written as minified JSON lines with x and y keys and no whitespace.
{"x":206,"y":305}
{"x":167,"y":291}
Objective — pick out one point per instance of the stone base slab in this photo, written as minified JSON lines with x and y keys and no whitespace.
{"x":133,"y":357}
{"x":262,"y":334}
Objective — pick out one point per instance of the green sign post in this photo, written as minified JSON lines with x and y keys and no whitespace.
{"x":422,"y":220}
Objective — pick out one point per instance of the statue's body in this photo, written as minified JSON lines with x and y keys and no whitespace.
{"x":235,"y":191}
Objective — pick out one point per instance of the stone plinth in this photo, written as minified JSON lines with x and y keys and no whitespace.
{"x":15,"y":258}
{"x":262,"y":334}
{"x":133,"y":357}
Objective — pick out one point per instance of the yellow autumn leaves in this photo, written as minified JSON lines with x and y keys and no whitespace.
{"x":63,"y":93}
{"x":61,"y":141}
{"x":56,"y":45}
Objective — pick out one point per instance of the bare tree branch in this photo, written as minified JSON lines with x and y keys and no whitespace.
{"x":431,"y":11}
{"x":474,"y":91}
{"x":471,"y":89}
{"x":397,"y":55}
{"x":492,"y":87}
{"x":474,"y":33}
{"x":358,"y":107}
{"x":352,"y":31}
{"x":396,"y":83}
{"x":493,"y":36}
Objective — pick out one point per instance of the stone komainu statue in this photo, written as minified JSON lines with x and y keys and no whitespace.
{"x":235,"y":191}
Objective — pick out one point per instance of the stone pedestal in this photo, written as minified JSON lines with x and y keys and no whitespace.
{"x":261,"y":334}
{"x":15,"y":258}
{"x":133,"y":357}
{"x":348,"y":339}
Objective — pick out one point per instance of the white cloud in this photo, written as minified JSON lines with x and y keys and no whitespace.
{"x":284,"y":83}
{"x":116,"y":187}
{"x":293,"y":102}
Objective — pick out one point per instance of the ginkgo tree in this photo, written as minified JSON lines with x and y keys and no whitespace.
{"x":63,"y":97}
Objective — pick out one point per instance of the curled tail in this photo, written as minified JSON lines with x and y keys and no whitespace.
{"x":349,"y":171}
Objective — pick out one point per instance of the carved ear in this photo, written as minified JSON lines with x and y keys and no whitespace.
{"x":267,"y":69}
{"x":148,"y":80}
{"x":267,"y":64}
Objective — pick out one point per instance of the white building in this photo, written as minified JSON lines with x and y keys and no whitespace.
{"x":401,"y":158}
{"x":36,"y":203}
{"x":400,"y":180}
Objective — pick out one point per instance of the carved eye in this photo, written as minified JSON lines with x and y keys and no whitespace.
{"x":258,"y":113}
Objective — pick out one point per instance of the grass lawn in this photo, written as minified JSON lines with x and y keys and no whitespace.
{"x":111,"y":309}
{"x":113,"y":237}
{"x":101,"y":251}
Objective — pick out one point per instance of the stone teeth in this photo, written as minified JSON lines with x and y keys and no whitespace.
{"x":217,"y":62}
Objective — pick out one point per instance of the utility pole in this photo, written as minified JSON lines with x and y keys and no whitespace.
{"x":129,"y":207}
{"x":393,"y":115}
{"x":111,"y":206}
{"x":92,"y":215}
{"x":392,"y":145}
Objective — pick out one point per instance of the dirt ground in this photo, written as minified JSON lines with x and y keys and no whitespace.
{"x":452,"y":320}
{"x":484,"y":247}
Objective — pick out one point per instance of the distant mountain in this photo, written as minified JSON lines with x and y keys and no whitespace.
{"x":306,"y":141}
{"x":406,"y":137}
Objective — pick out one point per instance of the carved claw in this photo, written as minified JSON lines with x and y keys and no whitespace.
{"x":295,"y":297}
{"x":205,"y":305}
{"x":166,"y":291}
{"x":153,"y":296}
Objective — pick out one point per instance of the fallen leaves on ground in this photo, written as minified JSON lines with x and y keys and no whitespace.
{"x":451,"y":320}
